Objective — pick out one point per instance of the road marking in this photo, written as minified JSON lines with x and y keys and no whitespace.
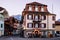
{"x":11,"y":38}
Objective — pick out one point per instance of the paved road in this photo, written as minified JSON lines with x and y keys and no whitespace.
{"x":18,"y":38}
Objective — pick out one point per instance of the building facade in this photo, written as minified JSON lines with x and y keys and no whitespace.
{"x":1,"y":25}
{"x":57,"y":27}
{"x":4,"y":12}
{"x":37,"y":19}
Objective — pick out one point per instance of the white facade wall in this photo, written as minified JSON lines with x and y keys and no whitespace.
{"x":49,"y":22}
{"x":1,"y":28}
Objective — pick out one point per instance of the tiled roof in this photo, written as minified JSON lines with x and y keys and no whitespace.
{"x":35,"y":12}
{"x":36,"y":3}
{"x":1,"y":8}
{"x":57,"y":23}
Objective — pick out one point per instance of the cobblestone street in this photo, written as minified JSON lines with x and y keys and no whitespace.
{"x":18,"y":38}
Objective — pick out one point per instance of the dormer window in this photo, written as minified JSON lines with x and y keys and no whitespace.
{"x":42,"y":9}
{"x":30,"y":8}
{"x":36,"y":8}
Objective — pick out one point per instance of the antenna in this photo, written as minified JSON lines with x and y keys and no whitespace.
{"x":52,"y":8}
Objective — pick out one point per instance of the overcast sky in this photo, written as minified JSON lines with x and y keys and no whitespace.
{"x":15,"y":7}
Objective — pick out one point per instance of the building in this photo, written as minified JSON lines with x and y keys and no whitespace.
{"x":57,"y":27}
{"x":12,"y":26}
{"x":4,"y":12}
{"x":37,"y":19}
{"x":1,"y":25}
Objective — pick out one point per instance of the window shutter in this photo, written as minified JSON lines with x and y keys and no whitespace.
{"x":44,"y":25}
{"x":40,"y":25}
{"x":53,"y":25}
{"x":44,"y":17}
{"x":53,"y":18}
{"x":27,"y":16}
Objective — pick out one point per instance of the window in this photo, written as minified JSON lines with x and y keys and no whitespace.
{"x":29,"y":25}
{"x":40,"y":25}
{"x":44,"y":17}
{"x":36,"y":25}
{"x":29,"y":17}
{"x":1,"y":25}
{"x":58,"y":32}
{"x":36,"y":18}
{"x":42,"y":9}
{"x":43,"y":25}
{"x":53,"y":25}
{"x":53,"y":18}
{"x":36,"y":8}
{"x":30,"y":8}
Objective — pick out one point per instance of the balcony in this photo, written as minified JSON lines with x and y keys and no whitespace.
{"x":37,"y":20}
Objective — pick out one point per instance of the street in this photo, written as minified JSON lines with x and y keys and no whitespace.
{"x":18,"y":38}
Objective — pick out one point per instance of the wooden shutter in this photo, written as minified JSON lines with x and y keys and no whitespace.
{"x":44,"y":25}
{"x":44,"y":17}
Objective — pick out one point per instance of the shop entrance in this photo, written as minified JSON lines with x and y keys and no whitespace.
{"x":36,"y":34}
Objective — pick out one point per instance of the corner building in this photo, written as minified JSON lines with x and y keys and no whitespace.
{"x":37,"y":18}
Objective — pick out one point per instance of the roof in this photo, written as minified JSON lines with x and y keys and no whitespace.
{"x":35,"y":12}
{"x":1,"y":15}
{"x":1,"y":8}
{"x":57,"y":23}
{"x":36,"y":3}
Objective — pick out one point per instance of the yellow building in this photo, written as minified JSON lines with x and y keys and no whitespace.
{"x":57,"y":27}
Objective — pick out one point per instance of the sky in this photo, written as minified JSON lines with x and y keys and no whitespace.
{"x":15,"y":7}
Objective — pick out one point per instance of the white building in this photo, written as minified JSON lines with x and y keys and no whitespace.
{"x":38,"y":19}
{"x":4,"y":12}
{"x":1,"y":25}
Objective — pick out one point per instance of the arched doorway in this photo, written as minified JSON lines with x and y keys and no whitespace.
{"x":36,"y":33}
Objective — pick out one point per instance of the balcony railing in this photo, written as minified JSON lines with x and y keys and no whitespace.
{"x":37,"y":20}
